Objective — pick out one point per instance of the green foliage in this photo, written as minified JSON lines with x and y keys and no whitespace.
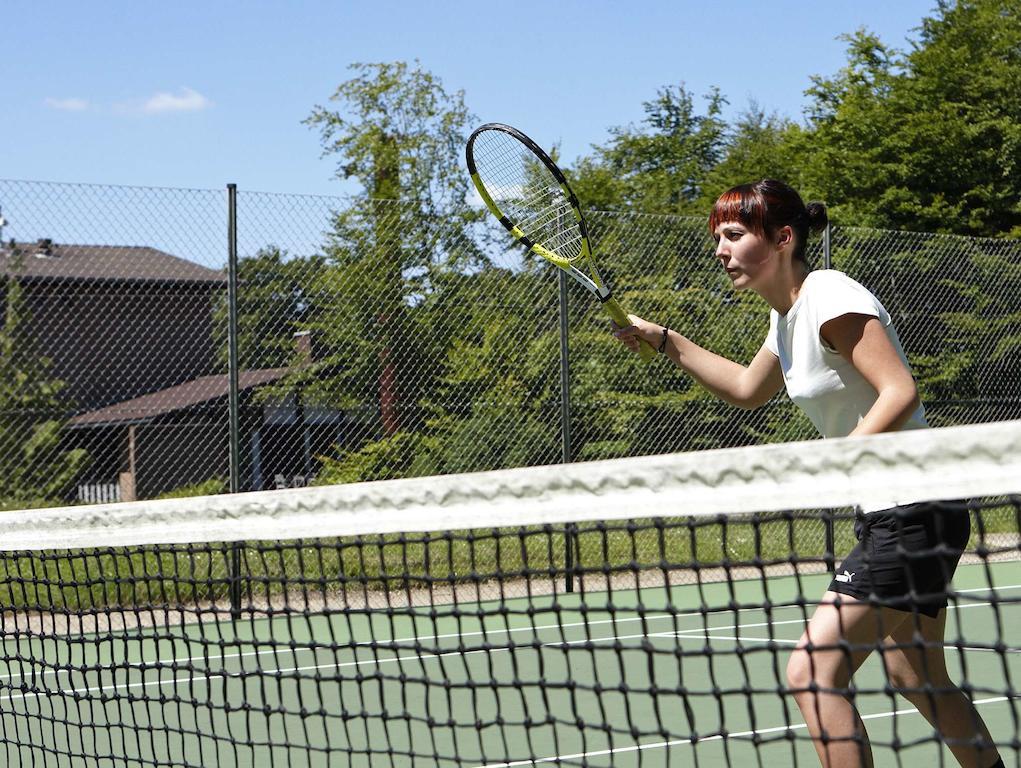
{"x":210,"y":487}
{"x":400,"y":134}
{"x":758,"y":146}
{"x":924,"y":140}
{"x":276,"y":299}
{"x":34,"y":469}
{"x":927,"y":139}
{"x":497,"y":435}
{"x":659,"y":166}
{"x":403,"y":454}
{"x":491,"y":398}
{"x":455,"y":330}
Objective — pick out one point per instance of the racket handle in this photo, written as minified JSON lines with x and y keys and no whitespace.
{"x":620,"y":318}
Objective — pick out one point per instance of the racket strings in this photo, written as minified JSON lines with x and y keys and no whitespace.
{"x":527,"y":193}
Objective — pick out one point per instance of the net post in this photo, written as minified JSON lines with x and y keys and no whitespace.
{"x":233,"y":388}
{"x":565,"y":421}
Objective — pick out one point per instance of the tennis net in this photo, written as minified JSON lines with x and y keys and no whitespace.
{"x":627,"y":612}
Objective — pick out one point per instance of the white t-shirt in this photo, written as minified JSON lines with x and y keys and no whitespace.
{"x":829,"y":389}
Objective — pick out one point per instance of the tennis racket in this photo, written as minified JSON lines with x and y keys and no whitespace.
{"x":528,"y":193}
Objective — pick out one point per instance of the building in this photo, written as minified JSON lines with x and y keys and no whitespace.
{"x":138,"y":336}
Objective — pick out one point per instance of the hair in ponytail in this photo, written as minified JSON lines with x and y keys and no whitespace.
{"x":765,"y":207}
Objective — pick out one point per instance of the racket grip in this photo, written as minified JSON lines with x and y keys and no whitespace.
{"x":620,"y":318}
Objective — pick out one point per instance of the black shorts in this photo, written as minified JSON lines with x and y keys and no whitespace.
{"x":905,"y":556}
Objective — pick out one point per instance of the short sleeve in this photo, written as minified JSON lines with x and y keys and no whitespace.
{"x":837,"y":295}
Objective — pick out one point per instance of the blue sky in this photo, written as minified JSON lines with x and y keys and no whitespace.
{"x":199,"y":94}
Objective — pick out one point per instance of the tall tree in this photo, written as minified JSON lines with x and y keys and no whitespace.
{"x":966,"y":76}
{"x":759,"y":145}
{"x":848,"y":163}
{"x":276,"y":300}
{"x":398,"y":132}
{"x":930,"y":139}
{"x":660,"y":165}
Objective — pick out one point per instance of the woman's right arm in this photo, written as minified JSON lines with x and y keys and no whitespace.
{"x":744,"y":386}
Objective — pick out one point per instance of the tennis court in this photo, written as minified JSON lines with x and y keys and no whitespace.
{"x":378,"y":686}
{"x":368,"y":645}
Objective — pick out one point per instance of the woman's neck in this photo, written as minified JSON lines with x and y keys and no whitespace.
{"x":782,"y":292}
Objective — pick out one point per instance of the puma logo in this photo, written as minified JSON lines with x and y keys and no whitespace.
{"x":844,"y":577}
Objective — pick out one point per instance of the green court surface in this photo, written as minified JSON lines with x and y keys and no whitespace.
{"x":540,"y":681}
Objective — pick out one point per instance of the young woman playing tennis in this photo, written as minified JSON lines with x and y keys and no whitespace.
{"x":834,"y":347}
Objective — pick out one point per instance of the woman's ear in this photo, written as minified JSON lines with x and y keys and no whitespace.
{"x":784,"y":237}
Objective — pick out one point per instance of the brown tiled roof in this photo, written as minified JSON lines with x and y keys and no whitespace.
{"x":175,"y":398}
{"x":103,"y":262}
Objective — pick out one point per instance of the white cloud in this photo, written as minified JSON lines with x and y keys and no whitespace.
{"x":186,"y":100}
{"x":73,"y":104}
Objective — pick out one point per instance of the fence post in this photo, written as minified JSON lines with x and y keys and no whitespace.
{"x":827,"y":254}
{"x":233,"y":426}
{"x":829,"y":556}
{"x":565,"y":422}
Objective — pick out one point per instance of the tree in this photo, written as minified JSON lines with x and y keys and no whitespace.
{"x":924,"y":139}
{"x":659,"y":166}
{"x":929,"y":140}
{"x":966,"y":78}
{"x":758,"y":146}
{"x":848,"y":162}
{"x":34,"y":469}
{"x":400,"y":134}
{"x":276,"y":299}
{"x":498,"y":404}
{"x":494,"y":402}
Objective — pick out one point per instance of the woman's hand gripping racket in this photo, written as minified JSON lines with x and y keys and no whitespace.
{"x":528,"y":193}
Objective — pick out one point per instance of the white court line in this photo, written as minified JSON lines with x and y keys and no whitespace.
{"x":764,"y":640}
{"x":205,"y":677}
{"x":682,"y":742}
{"x":419,"y":639}
{"x":275,"y":652}
{"x":709,"y":633}
{"x":418,"y":657}
{"x":655,"y":617}
{"x":658,"y":617}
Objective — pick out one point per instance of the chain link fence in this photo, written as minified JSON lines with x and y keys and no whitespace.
{"x":380,"y":339}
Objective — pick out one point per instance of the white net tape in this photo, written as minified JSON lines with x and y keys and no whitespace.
{"x":950,"y":463}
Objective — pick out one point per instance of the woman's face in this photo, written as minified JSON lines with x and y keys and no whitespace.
{"x":745,"y":255}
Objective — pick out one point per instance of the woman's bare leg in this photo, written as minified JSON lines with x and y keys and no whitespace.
{"x":834,"y":645}
{"x":836,"y":641}
{"x":916,"y":666}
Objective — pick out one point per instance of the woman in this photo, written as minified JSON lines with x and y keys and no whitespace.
{"x":834,"y":347}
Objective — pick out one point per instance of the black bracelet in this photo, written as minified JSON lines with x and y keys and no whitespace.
{"x":662,"y":345}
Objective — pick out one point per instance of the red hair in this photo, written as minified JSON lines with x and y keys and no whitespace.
{"x":765,"y":207}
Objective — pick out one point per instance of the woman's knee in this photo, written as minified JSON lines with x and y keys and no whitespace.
{"x":910,"y":670}
{"x":904,"y":681}
{"x":809,"y":669}
{"x":799,"y":670}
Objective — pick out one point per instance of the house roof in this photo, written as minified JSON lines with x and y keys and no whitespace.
{"x":46,"y":260}
{"x":176,"y":398}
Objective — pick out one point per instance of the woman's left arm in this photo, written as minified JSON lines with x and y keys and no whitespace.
{"x":862,"y":341}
